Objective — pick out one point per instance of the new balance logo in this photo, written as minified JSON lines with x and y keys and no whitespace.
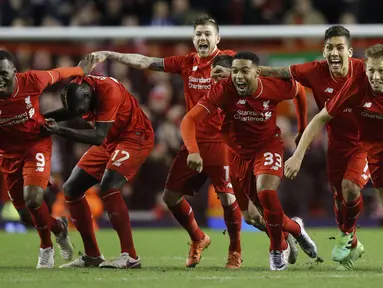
{"x":367,"y":105}
{"x":241,"y":101}
{"x":329,"y":90}
{"x":194,"y":68}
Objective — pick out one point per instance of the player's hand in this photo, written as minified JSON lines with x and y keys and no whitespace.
{"x":51,"y":126}
{"x":86,"y":66}
{"x":195,"y":162}
{"x":292,"y":166}
{"x":97,"y":57}
{"x":219,"y":73}
{"x":298,"y":138}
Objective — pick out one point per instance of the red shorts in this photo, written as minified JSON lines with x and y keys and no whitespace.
{"x":244,"y":172}
{"x":375,"y":165}
{"x":216,"y":167}
{"x":32,"y":168}
{"x":347,"y":164}
{"x":126,"y":158}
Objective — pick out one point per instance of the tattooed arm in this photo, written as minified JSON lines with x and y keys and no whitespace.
{"x":137,"y":61}
{"x":280,"y":72}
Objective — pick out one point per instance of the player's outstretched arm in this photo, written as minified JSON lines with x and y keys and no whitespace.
{"x":59,"y":115}
{"x":188,"y":132}
{"x":88,"y":136}
{"x":137,"y":61}
{"x":293,"y":164}
{"x":280,"y":72}
{"x":300,"y":103}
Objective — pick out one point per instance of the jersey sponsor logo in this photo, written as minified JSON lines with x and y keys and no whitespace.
{"x":367,"y":105}
{"x":372,"y":115}
{"x":246,"y":115}
{"x":199,"y":83}
{"x":241,"y":101}
{"x":329,"y":90}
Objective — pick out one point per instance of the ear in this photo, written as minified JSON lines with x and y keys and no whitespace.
{"x":350,"y":52}
{"x":257,"y":71}
{"x":218,"y":39}
{"x":323,"y":53}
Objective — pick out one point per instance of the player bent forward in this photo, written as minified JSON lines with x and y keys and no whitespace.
{"x":123,"y":138}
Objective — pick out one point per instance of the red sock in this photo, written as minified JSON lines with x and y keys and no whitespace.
{"x":338,"y":203}
{"x":291,"y":226}
{"x":233,"y":219}
{"x":119,"y":216}
{"x":82,"y":218}
{"x":41,"y":218}
{"x":185,"y":216}
{"x":351,"y":212}
{"x":54,"y":225}
{"x":273,"y":215}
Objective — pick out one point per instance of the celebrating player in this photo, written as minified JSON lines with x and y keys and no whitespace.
{"x":195,"y":69}
{"x":346,"y":162}
{"x":25,"y":154}
{"x":221,"y":68}
{"x":123,"y":138}
{"x":249,"y":128}
{"x":362,"y":96}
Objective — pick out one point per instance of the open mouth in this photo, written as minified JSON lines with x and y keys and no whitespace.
{"x":241,"y":86}
{"x":203,"y":47}
{"x":3,"y":87}
{"x":335,"y":63}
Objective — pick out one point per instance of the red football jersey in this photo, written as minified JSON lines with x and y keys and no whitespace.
{"x":115,"y":104}
{"x":249,"y":122}
{"x":20,"y":118}
{"x":357,"y":97}
{"x":195,"y":72}
{"x":317,"y":76}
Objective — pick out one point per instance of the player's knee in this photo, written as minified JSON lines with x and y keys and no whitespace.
{"x":69,"y":189}
{"x":25,"y":217}
{"x":226,"y":198}
{"x":171,"y":198}
{"x":33,"y":196}
{"x":350,"y":190}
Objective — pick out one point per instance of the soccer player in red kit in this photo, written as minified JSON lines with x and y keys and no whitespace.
{"x":346,"y":161}
{"x":248,"y":103}
{"x":362,"y":96}
{"x":123,"y":138}
{"x":25,"y":154}
{"x":195,"y":70}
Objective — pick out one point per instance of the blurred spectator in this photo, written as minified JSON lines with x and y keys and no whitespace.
{"x":161,"y":14}
{"x":302,"y":12}
{"x":182,"y":13}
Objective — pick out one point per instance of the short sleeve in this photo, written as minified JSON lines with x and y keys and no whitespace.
{"x":288,"y":89}
{"x":40,"y":79}
{"x":173,"y":64}
{"x":108,"y":103}
{"x":215,"y":98}
{"x":347,"y":96}
{"x":303,"y":73}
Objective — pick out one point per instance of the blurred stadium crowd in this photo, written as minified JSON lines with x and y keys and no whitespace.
{"x":161,"y":95}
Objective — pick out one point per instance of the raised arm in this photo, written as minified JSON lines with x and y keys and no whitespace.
{"x":293,"y":164}
{"x":137,"y":61}
{"x":280,"y":72}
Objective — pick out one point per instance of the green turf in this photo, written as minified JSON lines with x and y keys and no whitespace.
{"x":163,"y":255}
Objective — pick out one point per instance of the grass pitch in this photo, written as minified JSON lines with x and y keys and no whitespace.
{"x":163,"y":255}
